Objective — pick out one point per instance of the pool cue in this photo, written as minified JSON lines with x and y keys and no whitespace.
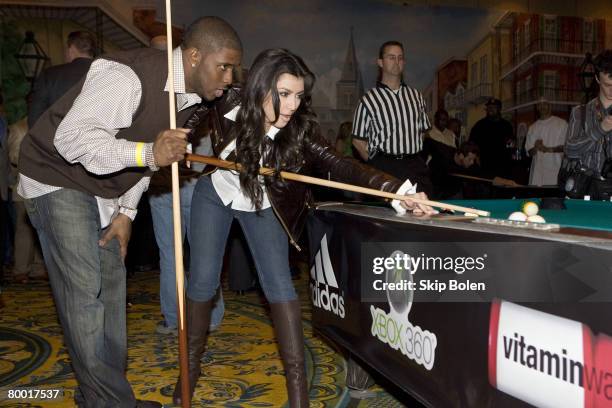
{"x":334,"y":184}
{"x":465,"y":176}
{"x":178,"y":234}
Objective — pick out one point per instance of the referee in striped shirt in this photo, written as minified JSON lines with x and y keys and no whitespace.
{"x":390,"y":121}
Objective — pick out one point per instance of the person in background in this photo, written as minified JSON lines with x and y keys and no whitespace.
{"x":589,"y":137}
{"x":493,"y":134}
{"x":439,"y":132}
{"x":344,"y":141}
{"x":390,"y":122}
{"x":446,"y":161}
{"x":344,"y":146}
{"x":5,"y":171}
{"x":160,"y":201}
{"x":454,"y":125}
{"x":28,"y":263}
{"x":159,"y":42}
{"x":55,"y":81}
{"x":545,"y":143}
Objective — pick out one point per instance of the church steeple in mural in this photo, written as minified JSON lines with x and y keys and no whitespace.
{"x":350,"y":86}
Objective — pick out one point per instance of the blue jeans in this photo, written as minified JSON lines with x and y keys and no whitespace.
{"x":88,"y":284}
{"x":210,"y":226}
{"x":161,"y":211}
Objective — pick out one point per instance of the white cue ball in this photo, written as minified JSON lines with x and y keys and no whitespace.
{"x":536,"y":218}
{"x":517,"y":216}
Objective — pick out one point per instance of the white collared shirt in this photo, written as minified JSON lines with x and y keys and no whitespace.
{"x":227,"y":182}
{"x":545,"y":165}
{"x":445,"y":136}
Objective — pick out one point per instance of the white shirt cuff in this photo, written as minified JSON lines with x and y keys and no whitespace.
{"x":130,"y":212}
{"x":406,"y":188}
{"x":149,"y":158}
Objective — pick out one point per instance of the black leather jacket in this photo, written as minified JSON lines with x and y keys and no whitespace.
{"x":290,"y":201}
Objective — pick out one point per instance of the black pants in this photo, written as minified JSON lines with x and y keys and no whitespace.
{"x":4,"y":222}
{"x":411,"y":167}
{"x":600,"y":189}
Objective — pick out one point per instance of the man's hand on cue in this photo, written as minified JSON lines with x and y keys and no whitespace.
{"x":170,"y":146}
{"x":120,"y":228}
{"x":417,"y":208}
{"x":500,"y":181}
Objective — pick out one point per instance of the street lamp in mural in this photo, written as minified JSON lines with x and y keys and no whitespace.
{"x":587,"y":77}
{"x":31,"y":57}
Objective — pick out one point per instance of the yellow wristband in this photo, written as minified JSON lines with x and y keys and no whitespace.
{"x":139,"y":147}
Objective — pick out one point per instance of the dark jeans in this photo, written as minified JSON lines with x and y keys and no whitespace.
{"x":210,"y":226}
{"x":411,"y":167}
{"x":163,"y":225}
{"x":4,"y":221}
{"x":88,"y":284}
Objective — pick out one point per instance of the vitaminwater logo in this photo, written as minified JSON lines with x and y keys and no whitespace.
{"x":395,"y":329}
{"x":323,"y":285}
{"x":558,"y":365}
{"x":548,"y":360}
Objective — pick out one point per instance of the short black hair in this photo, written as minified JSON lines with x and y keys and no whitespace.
{"x":210,"y":34}
{"x":344,"y":132}
{"x":381,"y":50}
{"x":84,"y":41}
{"x":603,"y":63}
{"x":440,"y":112}
{"x":468,"y":147}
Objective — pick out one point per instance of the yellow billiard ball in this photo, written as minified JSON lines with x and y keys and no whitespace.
{"x":530,"y":208}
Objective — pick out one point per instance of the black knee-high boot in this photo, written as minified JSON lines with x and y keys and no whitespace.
{"x":198,"y":320}
{"x":287,"y":319}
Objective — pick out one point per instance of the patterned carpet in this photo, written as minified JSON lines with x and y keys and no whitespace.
{"x":241,"y":367}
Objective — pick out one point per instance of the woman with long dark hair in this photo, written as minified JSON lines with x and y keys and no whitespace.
{"x":274,"y":127}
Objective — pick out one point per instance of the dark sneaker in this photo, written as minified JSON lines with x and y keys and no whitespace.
{"x":163,"y":328}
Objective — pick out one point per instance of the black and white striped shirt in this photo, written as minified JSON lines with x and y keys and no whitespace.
{"x":391,"y":121}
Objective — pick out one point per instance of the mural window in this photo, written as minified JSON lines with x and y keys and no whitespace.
{"x":484,"y":74}
{"x":527,"y":83}
{"x":517,"y":43}
{"x":550,"y":80}
{"x":527,"y":33}
{"x":550,"y":27}
{"x":588,"y":35}
{"x":474,"y":73}
{"x":460,"y":95}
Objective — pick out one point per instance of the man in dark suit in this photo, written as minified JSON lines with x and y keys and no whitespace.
{"x":447,"y":160}
{"x":55,"y":81}
{"x":494,"y":135}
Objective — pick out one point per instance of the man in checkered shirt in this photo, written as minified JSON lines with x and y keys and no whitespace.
{"x":83,"y":168}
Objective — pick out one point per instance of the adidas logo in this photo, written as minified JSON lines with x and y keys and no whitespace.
{"x":323,"y":285}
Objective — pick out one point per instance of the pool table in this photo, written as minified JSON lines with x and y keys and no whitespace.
{"x":543,"y":322}
{"x":579,"y":217}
